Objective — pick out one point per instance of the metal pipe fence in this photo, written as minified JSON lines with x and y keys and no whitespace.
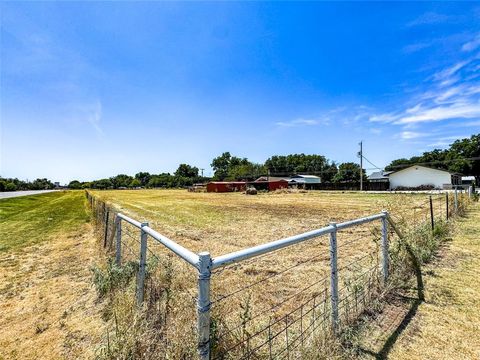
{"x":273,"y":300}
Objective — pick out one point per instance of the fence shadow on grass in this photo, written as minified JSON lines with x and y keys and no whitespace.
{"x":393,"y":337}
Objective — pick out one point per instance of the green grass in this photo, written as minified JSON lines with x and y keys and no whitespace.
{"x":29,"y":220}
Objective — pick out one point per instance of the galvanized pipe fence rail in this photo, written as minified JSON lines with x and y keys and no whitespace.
{"x":325,"y":309}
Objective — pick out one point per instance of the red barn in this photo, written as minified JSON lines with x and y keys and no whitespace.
{"x":226,"y":186}
{"x":275,"y":185}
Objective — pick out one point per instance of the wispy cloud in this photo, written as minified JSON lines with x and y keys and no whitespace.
{"x":448,"y":72}
{"x":429,"y":18}
{"x":412,"y":48}
{"x":472,"y":45}
{"x":407,"y":135}
{"x":384,"y":118}
{"x":453,"y":93}
{"x":94,"y":116}
{"x":302,"y":122}
{"x":89,"y":113}
{"x":454,"y":111}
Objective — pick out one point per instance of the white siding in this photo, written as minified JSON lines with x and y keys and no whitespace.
{"x":418,"y":175}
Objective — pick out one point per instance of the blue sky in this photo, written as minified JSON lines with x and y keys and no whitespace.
{"x":90,"y":90}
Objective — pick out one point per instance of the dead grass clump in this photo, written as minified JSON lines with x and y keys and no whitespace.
{"x":162,"y":325}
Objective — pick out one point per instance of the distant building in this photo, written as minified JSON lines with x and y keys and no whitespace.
{"x":379,"y":176}
{"x":468,"y":180}
{"x":305,"y":179}
{"x":56,"y":184}
{"x":273,"y":178}
{"x":417,"y":176}
{"x":226,"y":186}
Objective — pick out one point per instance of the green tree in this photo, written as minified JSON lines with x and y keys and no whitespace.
{"x":10,"y":186}
{"x":120,"y":181}
{"x":163,"y":180}
{"x":102,"y":184}
{"x":286,"y":165}
{"x":221,"y":165}
{"x":135,"y":183}
{"x":41,"y":184}
{"x":75,"y":184}
{"x":143,"y":177}
{"x":348,"y":172}
{"x":187,"y":171}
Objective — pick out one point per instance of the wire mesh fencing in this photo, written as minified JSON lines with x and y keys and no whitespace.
{"x":271,"y":301}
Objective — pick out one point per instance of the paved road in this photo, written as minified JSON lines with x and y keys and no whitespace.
{"x":11,"y":194}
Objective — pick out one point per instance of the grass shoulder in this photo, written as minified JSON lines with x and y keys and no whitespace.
{"x":29,"y":220}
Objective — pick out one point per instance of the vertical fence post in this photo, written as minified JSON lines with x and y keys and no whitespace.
{"x":118,"y":235}
{"x":142,"y":265}
{"x":106,"y":212}
{"x":446,"y":200}
{"x":432,"y":220}
{"x":334,"y":277}
{"x":203,"y":305}
{"x":384,"y":246}
{"x":455,"y":207}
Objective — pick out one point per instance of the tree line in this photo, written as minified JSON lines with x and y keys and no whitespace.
{"x":14,"y":184}
{"x":463,"y":156}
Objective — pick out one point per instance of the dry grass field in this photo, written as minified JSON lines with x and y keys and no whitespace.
{"x":221,"y":223}
{"x":48,"y":306}
{"x":248,"y":296}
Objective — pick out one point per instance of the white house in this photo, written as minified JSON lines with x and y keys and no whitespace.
{"x":416,"y":176}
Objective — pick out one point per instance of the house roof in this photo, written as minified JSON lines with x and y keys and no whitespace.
{"x":377,"y":175}
{"x":426,"y":167}
{"x":272,"y":178}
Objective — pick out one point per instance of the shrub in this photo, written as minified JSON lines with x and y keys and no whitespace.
{"x":113,"y":277}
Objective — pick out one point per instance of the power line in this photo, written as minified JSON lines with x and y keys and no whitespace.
{"x":375,"y":166}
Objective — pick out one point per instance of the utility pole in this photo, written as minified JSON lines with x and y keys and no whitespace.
{"x":202,"y":171}
{"x":360,"y":153}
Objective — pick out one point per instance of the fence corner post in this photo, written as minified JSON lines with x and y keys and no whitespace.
{"x":142,"y":265}
{"x":385,"y":260}
{"x":334,"y":277}
{"x":203,"y":305}
{"x":118,"y":235}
